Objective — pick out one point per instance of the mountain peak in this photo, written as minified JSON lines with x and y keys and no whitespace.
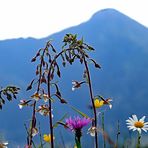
{"x":108,"y":12}
{"x":110,"y":15}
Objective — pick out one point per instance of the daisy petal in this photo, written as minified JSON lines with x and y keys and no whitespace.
{"x":146,"y":123}
{"x":135,"y":117}
{"x":142,"y":119}
{"x":134,"y":129}
{"x":144,"y":129}
{"x":132,"y":120}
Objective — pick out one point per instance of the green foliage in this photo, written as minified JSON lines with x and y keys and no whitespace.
{"x":60,"y":121}
{"x":79,"y":112}
{"x":8,"y":93}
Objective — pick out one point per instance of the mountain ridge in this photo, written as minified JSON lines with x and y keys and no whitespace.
{"x":108,"y":11}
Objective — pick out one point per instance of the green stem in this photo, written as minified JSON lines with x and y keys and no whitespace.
{"x":103,"y":127}
{"x":138,"y":141}
{"x":32,"y":124}
{"x":78,"y":135}
{"x":118,"y":133}
{"x":78,"y":141}
{"x":40,"y":134}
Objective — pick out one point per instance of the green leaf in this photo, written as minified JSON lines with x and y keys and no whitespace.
{"x":9,"y":97}
{"x":57,"y":123}
{"x":78,"y":111}
{"x":30,"y":85}
{"x":101,"y":97}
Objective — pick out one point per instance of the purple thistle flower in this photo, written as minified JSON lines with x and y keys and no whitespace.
{"x":77,"y":123}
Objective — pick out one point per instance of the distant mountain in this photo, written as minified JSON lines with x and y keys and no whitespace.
{"x":121,"y":48}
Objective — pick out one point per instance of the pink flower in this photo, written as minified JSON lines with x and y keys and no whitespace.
{"x":77,"y":123}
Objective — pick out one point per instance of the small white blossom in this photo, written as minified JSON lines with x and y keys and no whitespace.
{"x":34,"y":132}
{"x":92,"y":131}
{"x":3,"y":144}
{"x":76,"y":84}
{"x":23,"y":103}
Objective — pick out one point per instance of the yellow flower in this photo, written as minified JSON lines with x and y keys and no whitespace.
{"x":98,"y":103}
{"x":47,"y":138}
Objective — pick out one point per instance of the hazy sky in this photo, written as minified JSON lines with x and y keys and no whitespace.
{"x":40,"y":18}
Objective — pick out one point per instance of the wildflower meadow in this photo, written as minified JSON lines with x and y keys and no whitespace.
{"x":45,"y":91}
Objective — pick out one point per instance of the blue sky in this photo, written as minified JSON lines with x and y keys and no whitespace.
{"x":40,"y":18}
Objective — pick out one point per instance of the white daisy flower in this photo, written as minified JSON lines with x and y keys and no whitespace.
{"x":134,"y":124}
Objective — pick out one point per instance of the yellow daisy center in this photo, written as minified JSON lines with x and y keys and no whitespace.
{"x":98,"y":103}
{"x":139,"y":124}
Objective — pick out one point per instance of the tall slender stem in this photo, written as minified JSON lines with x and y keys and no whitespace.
{"x":92,"y":101}
{"x":40,"y":134}
{"x":34,"y":104}
{"x":118,"y":133}
{"x":49,"y":95}
{"x":103,"y":127}
{"x":32,"y":123}
{"x":50,"y":111}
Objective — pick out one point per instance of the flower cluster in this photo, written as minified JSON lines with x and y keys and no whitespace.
{"x":43,"y":110}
